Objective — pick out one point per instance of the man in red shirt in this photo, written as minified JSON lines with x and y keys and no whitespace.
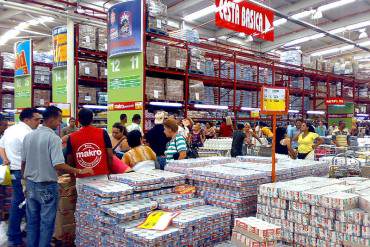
{"x":90,"y":147}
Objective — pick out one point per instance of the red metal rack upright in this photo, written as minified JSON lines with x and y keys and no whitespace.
{"x":6,"y":75}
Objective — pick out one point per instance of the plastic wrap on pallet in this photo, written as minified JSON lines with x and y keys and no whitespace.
{"x":190,"y":35}
{"x":41,"y":97}
{"x":102,"y":39}
{"x":88,"y":69}
{"x":7,"y":60}
{"x":157,"y":17}
{"x":155,"y":88}
{"x":197,"y":61}
{"x":156,"y":55}
{"x":196,"y":90}
{"x":176,"y":57}
{"x":42,"y":75}
{"x":174,"y":90}
{"x":87,"y":37}
{"x":293,"y":57}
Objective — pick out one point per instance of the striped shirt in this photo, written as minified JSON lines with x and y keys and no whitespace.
{"x":176,"y":145}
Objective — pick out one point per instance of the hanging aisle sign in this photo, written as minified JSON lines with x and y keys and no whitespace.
{"x":125,"y":28}
{"x":23,"y":58}
{"x":245,"y":17}
{"x":274,"y":100}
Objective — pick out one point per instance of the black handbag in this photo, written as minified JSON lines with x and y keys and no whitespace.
{"x":191,"y":152}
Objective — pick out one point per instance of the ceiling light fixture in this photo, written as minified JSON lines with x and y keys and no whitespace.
{"x":249,"y":109}
{"x":363,"y":34}
{"x":279,"y":22}
{"x":168,"y":104}
{"x":211,"y":39}
{"x":96,"y":107}
{"x":201,"y":13}
{"x":293,"y":111}
{"x":316,"y":112}
{"x":334,"y":5}
{"x":304,"y":39}
{"x":333,"y":50}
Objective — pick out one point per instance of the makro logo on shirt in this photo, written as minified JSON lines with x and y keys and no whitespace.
{"x":88,"y":155}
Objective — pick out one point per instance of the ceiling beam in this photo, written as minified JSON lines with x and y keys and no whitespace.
{"x":267,"y":46}
{"x":8,"y":14}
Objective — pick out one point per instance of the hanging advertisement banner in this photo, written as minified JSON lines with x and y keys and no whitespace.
{"x":334,"y":101}
{"x":22,"y":91}
{"x":125,"y":28}
{"x":343,"y":113}
{"x":59,"y":35}
{"x":245,"y":17}
{"x":274,"y":100}
{"x":23,"y":58}
{"x":59,"y":85}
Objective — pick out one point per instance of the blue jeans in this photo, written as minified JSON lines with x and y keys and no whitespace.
{"x":42,"y":203}
{"x":16,"y":214}
{"x":162,"y":162}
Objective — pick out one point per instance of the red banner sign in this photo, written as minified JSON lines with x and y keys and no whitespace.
{"x":125,"y":106}
{"x":334,"y":101}
{"x":245,"y":17}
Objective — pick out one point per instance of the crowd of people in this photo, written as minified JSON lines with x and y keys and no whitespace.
{"x":37,"y":151}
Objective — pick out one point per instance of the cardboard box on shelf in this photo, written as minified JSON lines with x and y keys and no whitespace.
{"x":155,"y":88}
{"x":41,"y":97}
{"x":87,"y":95}
{"x":8,"y":101}
{"x":87,"y":37}
{"x":174,"y":90}
{"x":102,"y":39}
{"x":156,"y":55}
{"x":196,"y":90}
{"x":176,"y":58}
{"x":103,"y":72}
{"x":88,"y":69}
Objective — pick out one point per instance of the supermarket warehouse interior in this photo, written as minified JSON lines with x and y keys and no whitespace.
{"x":189,"y":123}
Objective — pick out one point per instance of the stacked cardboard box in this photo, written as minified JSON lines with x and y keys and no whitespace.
{"x":196,"y":90}
{"x":362,"y":70}
{"x":292,"y":56}
{"x":156,"y":55}
{"x":316,"y":211}
{"x":174,"y":90}
{"x":103,"y":72}
{"x":87,"y":95}
{"x":102,"y":39}
{"x":88,"y":69}
{"x":41,"y":97}
{"x":8,"y":101}
{"x":65,"y":221}
{"x":157,"y":17}
{"x":87,"y":37}
{"x":42,"y":75}
{"x":7,"y":60}
{"x":176,"y":58}
{"x":343,"y":67}
{"x":197,"y":61}
{"x":190,"y":35}
{"x":155,"y":88}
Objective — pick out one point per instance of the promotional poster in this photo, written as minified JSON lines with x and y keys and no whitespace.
{"x":23,"y":58}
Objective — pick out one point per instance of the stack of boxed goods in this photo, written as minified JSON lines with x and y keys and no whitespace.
{"x":248,"y":73}
{"x":87,"y":37}
{"x":7,"y":60}
{"x":87,"y":95}
{"x":292,"y":56}
{"x":42,"y":75}
{"x":65,"y":221}
{"x":197,"y":61}
{"x":226,"y":96}
{"x":196,"y":91}
{"x":247,"y":100}
{"x":210,"y":95}
{"x":255,"y":232}
{"x":176,"y":57}
{"x":316,"y":211}
{"x":210,"y":67}
{"x":88,"y":69}
{"x":103,"y":72}
{"x":321,"y":89}
{"x":348,"y":91}
{"x":343,"y":67}
{"x":41,"y":97}
{"x":227,"y":70}
{"x":363,"y":92}
{"x":297,"y":82}
{"x":190,"y":35}
{"x":108,"y":212}
{"x":8,"y":101}
{"x":102,"y":39}
{"x":5,"y":201}
{"x":43,"y":57}
{"x":157,"y":17}
{"x":102,"y":98}
{"x":155,"y":88}
{"x":174,"y":90}
{"x":362,"y":70}
{"x":265,"y":76}
{"x":156,"y":55}
{"x":296,"y":103}
{"x":184,"y":166}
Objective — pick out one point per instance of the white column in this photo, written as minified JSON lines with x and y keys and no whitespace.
{"x":71,"y":78}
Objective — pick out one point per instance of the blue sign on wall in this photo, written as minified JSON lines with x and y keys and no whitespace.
{"x":125,"y":28}
{"x":23,"y":58}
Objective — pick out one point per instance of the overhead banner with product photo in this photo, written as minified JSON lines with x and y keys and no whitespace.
{"x":125,"y":28}
{"x":343,"y":113}
{"x":23,"y":58}
{"x":59,"y":35}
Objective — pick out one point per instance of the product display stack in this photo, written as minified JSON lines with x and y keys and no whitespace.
{"x":109,"y":211}
{"x":317,"y":211}
{"x":255,"y":232}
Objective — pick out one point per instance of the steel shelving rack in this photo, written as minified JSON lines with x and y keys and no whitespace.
{"x":39,"y":85}
{"x":6,"y":75}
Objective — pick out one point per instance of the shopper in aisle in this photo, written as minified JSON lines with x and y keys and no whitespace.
{"x":11,"y":145}
{"x":140,"y":157}
{"x":90,"y":147}
{"x":266,"y":131}
{"x":119,"y":139}
{"x":210,"y":131}
{"x":331,"y":129}
{"x":188,"y":124}
{"x":176,"y":148}
{"x":283,"y":143}
{"x":249,"y":135}
{"x":226,"y":128}
{"x":135,"y":125}
{"x":42,"y":157}
{"x":70,"y":128}
{"x":197,"y":136}
{"x":321,"y":129}
{"x":340,"y":137}
{"x":307,"y":141}
{"x":155,"y":137}
{"x":238,"y":141}
{"x":123,"y":119}
{"x":293,"y":131}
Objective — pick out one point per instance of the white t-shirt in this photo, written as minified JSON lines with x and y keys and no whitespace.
{"x":12,"y":142}
{"x":134,"y":126}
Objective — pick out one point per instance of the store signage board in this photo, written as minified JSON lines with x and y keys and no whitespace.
{"x":59,"y":84}
{"x":245,"y":17}
{"x":274,"y":100}
{"x":59,"y":35}
{"x":23,"y":58}
{"x":65,"y":107}
{"x":334,"y":101}
{"x":125,"y":28}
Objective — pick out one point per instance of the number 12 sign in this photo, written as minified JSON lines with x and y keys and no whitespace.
{"x":274,"y":100}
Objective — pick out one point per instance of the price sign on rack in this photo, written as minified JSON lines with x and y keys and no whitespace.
{"x":274,"y":100}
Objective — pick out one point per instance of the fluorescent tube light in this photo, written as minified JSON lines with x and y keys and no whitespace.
{"x":293,"y":111}
{"x":333,"y":50}
{"x":304,"y":39}
{"x":168,"y":104}
{"x":303,"y":14}
{"x":216,"y":107}
{"x":201,"y":13}
{"x":279,"y":22}
{"x":362,"y":115}
{"x":335,"y":5}
{"x":316,"y":112}
{"x":211,"y":39}
{"x":96,"y":107}
{"x":249,"y":109}
{"x":10,"y":110}
{"x":41,"y":108}
{"x":173,"y":24}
